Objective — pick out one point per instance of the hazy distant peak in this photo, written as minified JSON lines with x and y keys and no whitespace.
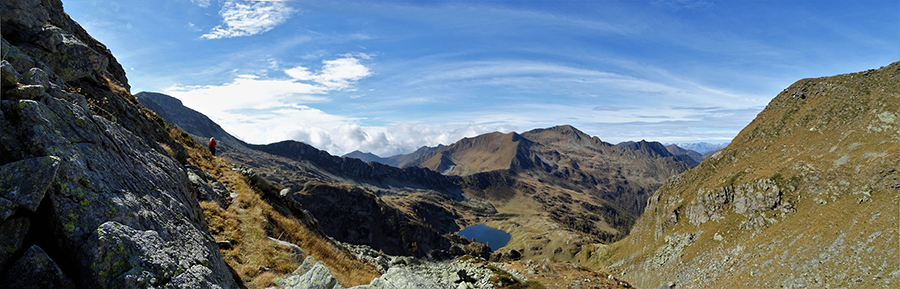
{"x":365,"y":157}
{"x":687,"y":156}
{"x":702,"y":147}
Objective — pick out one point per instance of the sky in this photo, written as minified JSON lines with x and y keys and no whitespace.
{"x":388,"y":77}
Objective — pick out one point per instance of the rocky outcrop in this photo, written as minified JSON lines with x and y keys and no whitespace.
{"x":89,"y":196}
{"x":55,"y":44}
{"x":314,"y":275}
{"x":208,"y":188}
{"x":749,"y":199}
{"x":310,"y":275}
{"x":36,"y":269}
{"x":399,"y":272}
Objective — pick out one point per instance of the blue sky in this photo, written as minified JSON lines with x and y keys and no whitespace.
{"x":388,"y":77}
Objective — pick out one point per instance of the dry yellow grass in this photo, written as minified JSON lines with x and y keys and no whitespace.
{"x":251,"y":220}
{"x":831,"y":145}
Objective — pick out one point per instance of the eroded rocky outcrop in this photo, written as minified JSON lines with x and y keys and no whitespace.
{"x":398,"y":272}
{"x":92,"y":191}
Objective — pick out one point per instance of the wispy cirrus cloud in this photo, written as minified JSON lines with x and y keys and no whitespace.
{"x":650,"y":85}
{"x":201,"y":3}
{"x":246,"y":18}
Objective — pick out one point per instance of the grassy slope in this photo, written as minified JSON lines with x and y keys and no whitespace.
{"x":250,"y":220}
{"x":832,"y":146}
{"x":489,"y":152}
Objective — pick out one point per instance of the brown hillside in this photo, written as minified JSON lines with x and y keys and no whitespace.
{"x":483,"y":153}
{"x":563,"y":135}
{"x":805,"y":196}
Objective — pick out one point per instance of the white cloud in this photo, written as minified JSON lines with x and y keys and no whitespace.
{"x":340,"y":135}
{"x":338,"y":74}
{"x":261,"y":109}
{"x":299,"y":73}
{"x":340,"y":139}
{"x":254,"y":92}
{"x":246,"y":18}
{"x":247,"y":91}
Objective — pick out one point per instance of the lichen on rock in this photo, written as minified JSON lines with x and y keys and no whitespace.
{"x":84,"y":180}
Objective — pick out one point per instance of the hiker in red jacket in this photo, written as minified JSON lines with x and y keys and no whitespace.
{"x":212,"y":145}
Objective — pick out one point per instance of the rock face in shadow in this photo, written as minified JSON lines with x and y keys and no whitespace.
{"x":92,"y":191}
{"x":356,"y":216}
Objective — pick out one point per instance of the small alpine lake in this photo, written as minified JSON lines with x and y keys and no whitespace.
{"x":484,"y":234}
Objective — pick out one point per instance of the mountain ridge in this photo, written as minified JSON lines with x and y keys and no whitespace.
{"x":690,"y":157}
{"x":805,"y":195}
{"x":538,"y":154}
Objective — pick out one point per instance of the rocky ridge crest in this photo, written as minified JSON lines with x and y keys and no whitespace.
{"x":92,"y":190}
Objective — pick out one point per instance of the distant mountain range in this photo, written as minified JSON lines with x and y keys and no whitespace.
{"x":697,"y":152}
{"x":562,"y":176}
{"x":539,"y":152}
{"x":702,"y":147}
